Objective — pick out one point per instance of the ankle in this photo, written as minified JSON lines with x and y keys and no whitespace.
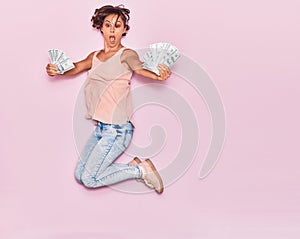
{"x":142,"y":170}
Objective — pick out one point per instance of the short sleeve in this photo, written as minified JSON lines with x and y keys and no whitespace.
{"x":131,"y":59}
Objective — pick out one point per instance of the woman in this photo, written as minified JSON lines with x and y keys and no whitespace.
{"x":108,"y":100}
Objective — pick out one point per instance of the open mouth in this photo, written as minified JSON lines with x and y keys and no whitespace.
{"x":112,"y":39}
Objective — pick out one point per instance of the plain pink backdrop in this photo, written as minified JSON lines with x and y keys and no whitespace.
{"x":251,"y":51}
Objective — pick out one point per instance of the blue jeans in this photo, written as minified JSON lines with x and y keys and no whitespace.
{"x":96,"y":167}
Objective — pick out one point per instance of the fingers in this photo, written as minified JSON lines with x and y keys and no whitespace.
{"x":164,"y":72}
{"x":52,"y":69}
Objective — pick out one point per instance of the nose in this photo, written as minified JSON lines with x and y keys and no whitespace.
{"x":112,"y":28}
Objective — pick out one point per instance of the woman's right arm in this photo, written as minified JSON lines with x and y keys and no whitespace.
{"x":80,"y":66}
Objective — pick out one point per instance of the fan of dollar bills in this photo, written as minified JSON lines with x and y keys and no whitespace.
{"x":61,"y":60}
{"x":160,"y":53}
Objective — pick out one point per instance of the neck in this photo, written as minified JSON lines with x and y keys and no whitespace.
{"x":110,"y":48}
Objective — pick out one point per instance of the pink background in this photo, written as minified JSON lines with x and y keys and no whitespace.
{"x":251,"y":51}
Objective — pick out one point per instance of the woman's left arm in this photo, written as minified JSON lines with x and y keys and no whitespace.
{"x":164,"y":72}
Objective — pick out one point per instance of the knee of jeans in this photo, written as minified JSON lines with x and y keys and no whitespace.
{"x":89,"y":181}
{"x":77,"y":175}
{"x":78,"y":179}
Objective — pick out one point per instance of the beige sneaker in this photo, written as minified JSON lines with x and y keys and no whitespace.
{"x":151,"y":177}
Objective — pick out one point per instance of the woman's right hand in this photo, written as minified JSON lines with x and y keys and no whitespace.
{"x":52,"y":70}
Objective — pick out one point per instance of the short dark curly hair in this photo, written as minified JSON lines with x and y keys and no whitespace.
{"x":101,"y":13}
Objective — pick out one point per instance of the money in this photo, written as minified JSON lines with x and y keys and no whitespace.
{"x":160,"y":53}
{"x":61,"y":60}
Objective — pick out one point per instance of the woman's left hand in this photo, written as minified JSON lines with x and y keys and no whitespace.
{"x":164,"y":72}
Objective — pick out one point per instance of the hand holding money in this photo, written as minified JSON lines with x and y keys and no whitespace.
{"x":60,"y":63}
{"x":164,"y":72}
{"x":52,"y":70}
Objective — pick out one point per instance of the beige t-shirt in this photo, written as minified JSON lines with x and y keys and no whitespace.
{"x":107,"y":90}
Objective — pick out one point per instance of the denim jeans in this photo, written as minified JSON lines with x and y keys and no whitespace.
{"x":96,"y":167}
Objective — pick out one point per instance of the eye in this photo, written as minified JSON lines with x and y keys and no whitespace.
{"x":118,"y":25}
{"x":106,"y":24}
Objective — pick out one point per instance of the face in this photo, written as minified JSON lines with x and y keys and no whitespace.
{"x":112,"y":29}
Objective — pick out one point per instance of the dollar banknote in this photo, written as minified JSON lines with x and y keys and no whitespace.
{"x":160,"y":53}
{"x":61,"y":60}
